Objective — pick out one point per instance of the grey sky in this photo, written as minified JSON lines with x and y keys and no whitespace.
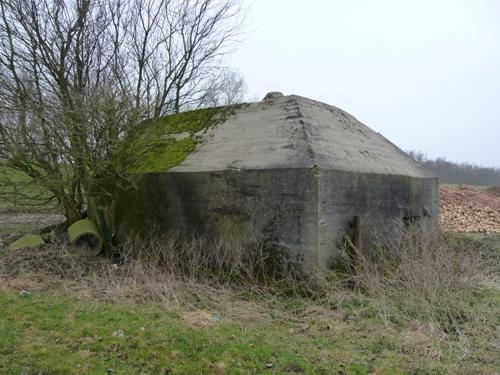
{"x":424,"y":73}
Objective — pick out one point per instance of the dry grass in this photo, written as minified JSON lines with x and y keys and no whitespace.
{"x":168,"y":269}
{"x":429,"y":287}
{"x":219,"y":261}
{"x":427,"y":290}
{"x":431,"y":275}
{"x":436,"y":284}
{"x":429,"y":279}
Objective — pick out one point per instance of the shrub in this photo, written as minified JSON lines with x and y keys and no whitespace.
{"x":436,"y":280}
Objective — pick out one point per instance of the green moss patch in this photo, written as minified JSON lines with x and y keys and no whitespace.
{"x":191,"y":121}
{"x":228,"y":225}
{"x":161,"y":144}
{"x":29,"y":241}
{"x":165,"y":155}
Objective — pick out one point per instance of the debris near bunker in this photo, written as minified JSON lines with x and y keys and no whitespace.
{"x":467,"y":209}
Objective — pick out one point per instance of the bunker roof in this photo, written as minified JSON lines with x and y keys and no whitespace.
{"x":295,"y":132}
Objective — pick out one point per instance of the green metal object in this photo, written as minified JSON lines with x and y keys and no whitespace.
{"x":106,"y":233}
{"x":85,"y":237}
{"x":29,"y":241}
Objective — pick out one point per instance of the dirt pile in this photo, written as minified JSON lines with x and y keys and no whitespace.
{"x":466,"y":209}
{"x":494,"y":190}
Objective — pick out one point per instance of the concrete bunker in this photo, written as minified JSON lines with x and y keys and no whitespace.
{"x":290,"y":167}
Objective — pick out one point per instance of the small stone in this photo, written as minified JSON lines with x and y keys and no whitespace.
{"x":217,"y":317}
{"x":120,"y":333}
{"x":29,"y":241}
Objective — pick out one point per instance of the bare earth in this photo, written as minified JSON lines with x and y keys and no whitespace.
{"x":36,"y":220}
{"x":466,"y":209}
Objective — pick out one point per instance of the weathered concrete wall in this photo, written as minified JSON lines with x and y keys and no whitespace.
{"x":383,"y":202}
{"x":278,"y":204}
{"x":303,"y":210}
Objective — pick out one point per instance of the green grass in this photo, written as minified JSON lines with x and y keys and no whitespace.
{"x":50,"y":334}
{"x":19,"y":192}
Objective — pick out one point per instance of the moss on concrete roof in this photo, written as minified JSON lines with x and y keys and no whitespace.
{"x":165,"y":142}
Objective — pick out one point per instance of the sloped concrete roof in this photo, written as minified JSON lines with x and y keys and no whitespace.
{"x":296,"y":132}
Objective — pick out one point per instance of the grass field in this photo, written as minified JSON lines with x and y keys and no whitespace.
{"x":50,"y":334}
{"x":62,"y":321}
{"x":18,"y":192}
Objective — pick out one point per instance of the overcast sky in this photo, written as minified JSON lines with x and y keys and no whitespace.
{"x":424,"y":73}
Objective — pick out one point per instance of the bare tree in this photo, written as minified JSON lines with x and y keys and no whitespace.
{"x":176,"y":46}
{"x":77,"y":76}
{"x":227,"y":88}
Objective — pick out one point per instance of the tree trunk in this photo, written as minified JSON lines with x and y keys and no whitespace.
{"x":71,"y":212}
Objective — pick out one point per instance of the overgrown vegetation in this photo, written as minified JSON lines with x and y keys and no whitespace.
{"x":153,"y":147}
{"x":438,"y":281}
{"x":78,"y":77}
{"x":188,"y":305}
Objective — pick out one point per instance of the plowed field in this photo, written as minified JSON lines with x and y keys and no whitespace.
{"x":467,"y":209}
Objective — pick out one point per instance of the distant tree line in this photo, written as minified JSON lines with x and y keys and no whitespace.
{"x":458,"y":173}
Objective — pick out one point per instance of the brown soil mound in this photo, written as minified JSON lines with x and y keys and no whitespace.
{"x":465,"y":209}
{"x":495,"y":190}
